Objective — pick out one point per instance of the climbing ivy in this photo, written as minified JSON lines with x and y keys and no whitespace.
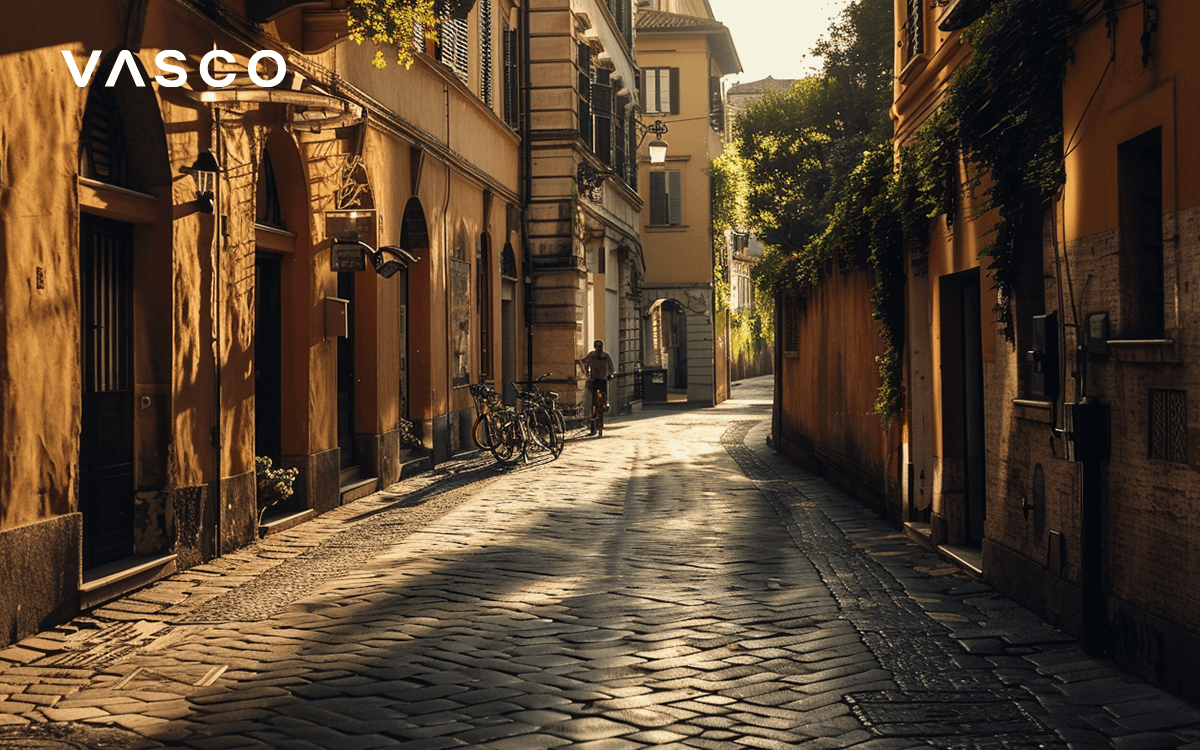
{"x":1006,"y":105}
{"x":1002,"y":115}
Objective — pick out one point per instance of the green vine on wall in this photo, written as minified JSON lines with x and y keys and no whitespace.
{"x":1003,"y":115}
{"x":1006,"y":105}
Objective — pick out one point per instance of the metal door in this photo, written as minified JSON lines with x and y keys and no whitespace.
{"x":106,"y":489}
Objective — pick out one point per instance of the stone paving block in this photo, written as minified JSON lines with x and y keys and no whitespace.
{"x":588,"y":728}
{"x":1146,"y":741}
{"x":1171,"y":718}
{"x":528,"y":742}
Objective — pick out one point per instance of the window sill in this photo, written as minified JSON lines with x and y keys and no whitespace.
{"x":667,"y":227}
{"x":913,"y":68}
{"x":1144,"y":350}
{"x":1034,"y":410}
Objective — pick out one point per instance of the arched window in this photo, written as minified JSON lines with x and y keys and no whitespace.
{"x":102,"y":154}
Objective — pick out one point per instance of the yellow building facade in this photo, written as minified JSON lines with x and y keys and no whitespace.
{"x":683,"y":52}
{"x":177,"y":292}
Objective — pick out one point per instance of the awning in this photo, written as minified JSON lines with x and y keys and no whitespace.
{"x":310,"y":107}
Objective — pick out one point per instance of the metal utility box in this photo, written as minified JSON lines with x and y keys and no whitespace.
{"x":1043,"y":358}
{"x":337,"y":317}
{"x":654,"y":384}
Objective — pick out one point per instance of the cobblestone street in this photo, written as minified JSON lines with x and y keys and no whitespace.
{"x":673,"y":584}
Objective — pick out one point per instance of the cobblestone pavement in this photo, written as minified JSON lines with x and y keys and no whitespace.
{"x":674,"y":584}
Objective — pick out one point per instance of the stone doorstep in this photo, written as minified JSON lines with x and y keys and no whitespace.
{"x":283,"y":523}
{"x":355,"y":490}
{"x":122,"y":577}
{"x":921,"y":533}
{"x":967,"y":558}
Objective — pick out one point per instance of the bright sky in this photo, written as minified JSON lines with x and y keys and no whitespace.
{"x":774,"y":37}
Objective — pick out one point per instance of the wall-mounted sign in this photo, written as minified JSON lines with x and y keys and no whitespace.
{"x":347,"y":256}
{"x":346,"y":230}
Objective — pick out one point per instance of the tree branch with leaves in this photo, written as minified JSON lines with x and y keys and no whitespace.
{"x":395,"y":23}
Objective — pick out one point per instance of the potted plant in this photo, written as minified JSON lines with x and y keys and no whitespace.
{"x":408,"y":439}
{"x":274,"y":485}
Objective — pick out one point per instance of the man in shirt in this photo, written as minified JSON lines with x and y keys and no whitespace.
{"x":599,"y":368}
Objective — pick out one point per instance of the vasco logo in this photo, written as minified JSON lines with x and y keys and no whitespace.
{"x":178,"y":76}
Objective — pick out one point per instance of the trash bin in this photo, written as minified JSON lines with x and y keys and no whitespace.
{"x":654,"y":384}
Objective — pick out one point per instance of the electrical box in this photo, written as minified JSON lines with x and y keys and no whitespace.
{"x":337,"y":317}
{"x":1090,"y":439}
{"x":1043,"y":358}
{"x":1095,"y":335}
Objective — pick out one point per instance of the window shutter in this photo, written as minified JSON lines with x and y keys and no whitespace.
{"x":585,"y":94}
{"x":511,"y":78}
{"x":658,"y":198}
{"x":631,"y":157}
{"x":620,"y":138}
{"x":674,"y":104}
{"x":455,"y":50}
{"x":602,"y":115}
{"x":674,"y":198}
{"x":485,"y":51}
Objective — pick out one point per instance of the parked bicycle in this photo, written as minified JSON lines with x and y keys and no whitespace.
{"x":511,"y":434}
{"x":541,"y":415}
{"x":496,"y":427}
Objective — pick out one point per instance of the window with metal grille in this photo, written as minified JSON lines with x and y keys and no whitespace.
{"x":914,"y":28}
{"x":107,"y":294}
{"x":455,"y":50}
{"x":1168,"y":425}
{"x":511,"y":79}
{"x":102,"y":155}
{"x":584,"y":60}
{"x":660,"y":91}
{"x":666,"y":202}
{"x":485,"y":51}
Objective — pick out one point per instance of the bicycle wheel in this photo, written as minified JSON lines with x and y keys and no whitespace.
{"x":560,"y":425}
{"x":506,"y":437}
{"x":480,"y":432}
{"x":601,"y":402}
{"x":542,"y":427}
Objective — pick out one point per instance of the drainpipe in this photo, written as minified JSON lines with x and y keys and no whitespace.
{"x":527,"y":184}
{"x":448,"y":249}
{"x":218,"y":233}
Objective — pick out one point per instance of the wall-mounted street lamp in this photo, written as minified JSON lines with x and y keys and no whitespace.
{"x":352,"y":255}
{"x":204,"y":172}
{"x":590,"y":179}
{"x":658,"y":147}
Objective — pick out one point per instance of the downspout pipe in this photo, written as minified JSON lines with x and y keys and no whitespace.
{"x":527,"y":188}
{"x":218,"y":235}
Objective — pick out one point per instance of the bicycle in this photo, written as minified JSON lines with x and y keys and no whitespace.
{"x":595,"y":419}
{"x":541,"y":415}
{"x":496,"y":426}
{"x":599,"y":407}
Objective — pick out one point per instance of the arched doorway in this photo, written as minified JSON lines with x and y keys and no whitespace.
{"x":415,"y":323}
{"x":283,"y":279}
{"x":667,"y":348}
{"x":126,"y":313}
